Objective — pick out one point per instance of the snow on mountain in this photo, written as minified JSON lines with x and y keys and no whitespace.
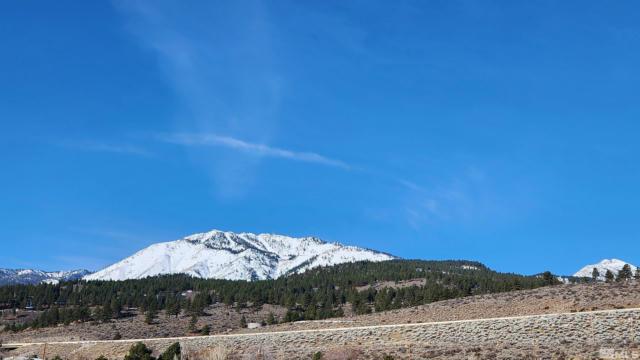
{"x":614,"y":265}
{"x":27,"y":276}
{"x":227,"y":255}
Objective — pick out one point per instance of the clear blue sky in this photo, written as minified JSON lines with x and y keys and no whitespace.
{"x":504,"y":132}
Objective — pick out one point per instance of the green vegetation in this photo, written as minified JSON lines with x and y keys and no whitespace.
{"x":139,"y":351}
{"x":205,"y":330}
{"x":624,"y":273}
{"x":316,"y":294}
{"x":150,"y":314}
{"x":608,"y":276}
{"x":595,"y":274}
{"x":172,"y":352}
{"x":271,"y":319}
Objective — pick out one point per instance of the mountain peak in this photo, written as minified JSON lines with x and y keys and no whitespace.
{"x":614,"y":265}
{"x":235,"y":256}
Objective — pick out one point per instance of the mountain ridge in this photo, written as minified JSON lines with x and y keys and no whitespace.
{"x":31,"y":276}
{"x":235,"y":256}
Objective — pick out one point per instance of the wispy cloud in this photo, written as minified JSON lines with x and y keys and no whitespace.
{"x":104,"y":147}
{"x":410,"y":185}
{"x":251,"y":148}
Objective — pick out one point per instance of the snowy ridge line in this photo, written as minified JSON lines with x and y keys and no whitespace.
{"x":227,"y":255}
{"x":28,"y":276}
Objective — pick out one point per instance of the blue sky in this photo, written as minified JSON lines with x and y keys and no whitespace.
{"x":503,"y":132}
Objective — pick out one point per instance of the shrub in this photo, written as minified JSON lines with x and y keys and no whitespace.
{"x":205,"y":330}
{"x":218,"y":352}
{"x":317,"y":356}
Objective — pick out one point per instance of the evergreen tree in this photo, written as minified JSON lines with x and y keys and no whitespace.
{"x":173,"y":308}
{"x":548,"y":277}
{"x":139,"y":351}
{"x":97,"y":314}
{"x":243,"y":322}
{"x":637,"y":275}
{"x":116,"y":308}
{"x":106,"y":312}
{"x":624,"y":273}
{"x":595,"y":274}
{"x":172,"y":352}
{"x":608,"y":276}
{"x":192,"y":323}
{"x":271,"y":319}
{"x":150,"y":315}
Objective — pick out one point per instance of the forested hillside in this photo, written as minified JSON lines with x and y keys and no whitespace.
{"x":316,"y":294}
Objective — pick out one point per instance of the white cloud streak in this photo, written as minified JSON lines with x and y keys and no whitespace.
{"x":251,"y":148}
{"x":104,"y":147}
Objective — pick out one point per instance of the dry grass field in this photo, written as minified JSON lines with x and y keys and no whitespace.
{"x":569,"y":298}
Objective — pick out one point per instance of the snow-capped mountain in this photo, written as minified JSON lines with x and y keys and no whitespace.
{"x":26,"y":276}
{"x":614,"y":265}
{"x":227,"y":255}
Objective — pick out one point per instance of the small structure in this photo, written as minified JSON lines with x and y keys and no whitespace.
{"x":253,"y":325}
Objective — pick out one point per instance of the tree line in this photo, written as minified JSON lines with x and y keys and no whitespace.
{"x":315,"y":294}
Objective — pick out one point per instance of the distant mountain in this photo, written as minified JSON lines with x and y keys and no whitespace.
{"x":26,"y":276}
{"x":614,"y":265}
{"x":227,"y":255}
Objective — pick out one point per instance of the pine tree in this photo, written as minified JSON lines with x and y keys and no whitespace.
{"x":106,"y":312}
{"x":624,"y":273}
{"x":116,"y":308}
{"x":271,"y":319}
{"x":97,"y":314}
{"x":172,"y":352}
{"x":243,"y":322}
{"x":595,"y":274}
{"x":150,"y":315}
{"x":192,"y":323}
{"x":139,"y":351}
{"x":637,"y":275}
{"x":609,"y":276}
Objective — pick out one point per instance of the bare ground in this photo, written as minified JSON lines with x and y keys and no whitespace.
{"x":223,"y":319}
